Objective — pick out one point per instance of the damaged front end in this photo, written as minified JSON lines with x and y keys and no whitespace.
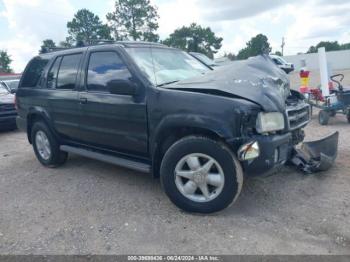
{"x":273,"y":136}
{"x":317,"y":155}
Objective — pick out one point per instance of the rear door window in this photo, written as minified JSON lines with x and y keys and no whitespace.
{"x":33,"y":72}
{"x":52,"y":75}
{"x":68,"y":72}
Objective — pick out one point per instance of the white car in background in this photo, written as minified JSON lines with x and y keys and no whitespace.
{"x":10,"y":85}
{"x":283,"y":64}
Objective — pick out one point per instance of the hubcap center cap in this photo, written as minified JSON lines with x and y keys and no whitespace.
{"x":199,"y":177}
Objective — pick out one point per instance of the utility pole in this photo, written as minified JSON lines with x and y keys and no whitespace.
{"x":282,"y":46}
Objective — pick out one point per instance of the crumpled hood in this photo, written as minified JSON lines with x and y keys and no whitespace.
{"x":257,"y":79}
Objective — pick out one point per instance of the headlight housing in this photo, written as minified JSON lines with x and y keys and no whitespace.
{"x":269,"y":122}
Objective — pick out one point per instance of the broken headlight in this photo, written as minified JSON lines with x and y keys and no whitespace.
{"x":269,"y":122}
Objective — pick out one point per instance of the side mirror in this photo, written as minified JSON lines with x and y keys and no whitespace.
{"x":122,"y":87}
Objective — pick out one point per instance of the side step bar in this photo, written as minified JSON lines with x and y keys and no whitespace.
{"x":108,"y":159}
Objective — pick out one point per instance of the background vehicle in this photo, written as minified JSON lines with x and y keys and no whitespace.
{"x":337,"y":102}
{"x":283,"y":64}
{"x":204,"y":59}
{"x":7,"y":110}
{"x":157,"y":109}
{"x":10,"y":85}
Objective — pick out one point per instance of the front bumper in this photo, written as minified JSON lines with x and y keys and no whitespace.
{"x":278,"y":150}
{"x":7,"y":122}
{"x":275,"y":151}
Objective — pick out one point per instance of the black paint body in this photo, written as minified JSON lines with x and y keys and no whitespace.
{"x":142,"y":126}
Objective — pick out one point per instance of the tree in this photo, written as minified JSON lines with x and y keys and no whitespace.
{"x":258,"y":45}
{"x":195,"y":38}
{"x":87,"y":28}
{"x":230,"y":56}
{"x":134,"y":19}
{"x":279,"y":53}
{"x":5,"y":62}
{"x":47,"y":45}
{"x":345,"y":46}
{"x":65,"y":44}
{"x":330,"y":46}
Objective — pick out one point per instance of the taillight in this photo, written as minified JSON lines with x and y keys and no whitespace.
{"x":15,"y":101}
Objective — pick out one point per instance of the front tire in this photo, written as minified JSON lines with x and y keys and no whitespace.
{"x":46,"y":146}
{"x":201,"y":175}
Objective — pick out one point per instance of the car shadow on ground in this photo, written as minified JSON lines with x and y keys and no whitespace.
{"x":258,"y":193}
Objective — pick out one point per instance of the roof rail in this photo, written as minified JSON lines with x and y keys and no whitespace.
{"x":99,"y":42}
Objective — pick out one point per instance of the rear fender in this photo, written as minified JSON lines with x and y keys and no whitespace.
{"x":35,"y":114}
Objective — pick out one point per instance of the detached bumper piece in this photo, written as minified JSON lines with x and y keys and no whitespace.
{"x":316,"y":156}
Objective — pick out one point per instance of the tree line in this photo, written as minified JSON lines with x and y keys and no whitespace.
{"x":329,"y":46}
{"x":138,"y":20}
{"x":135,"y":20}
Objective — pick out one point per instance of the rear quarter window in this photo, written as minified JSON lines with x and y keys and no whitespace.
{"x":33,"y":72}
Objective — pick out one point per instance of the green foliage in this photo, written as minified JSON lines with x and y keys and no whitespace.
{"x":5,"y":62}
{"x":47,"y":45}
{"x":195,"y":38}
{"x":87,"y":28}
{"x":134,"y":19}
{"x":258,"y":45}
{"x":278,"y":53}
{"x":67,"y":43}
{"x":230,"y":56}
{"x":345,"y":46}
{"x":329,"y":46}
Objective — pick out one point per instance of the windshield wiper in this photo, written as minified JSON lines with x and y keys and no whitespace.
{"x":168,"y":83}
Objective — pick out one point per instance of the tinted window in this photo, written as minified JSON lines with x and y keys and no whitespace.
{"x":67,"y":73}
{"x":33,"y":72}
{"x":277,"y":62}
{"x":104,"y":67}
{"x":52,"y":75}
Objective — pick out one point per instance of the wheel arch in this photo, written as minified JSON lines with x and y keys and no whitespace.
{"x":36,"y":114}
{"x":171,"y":131}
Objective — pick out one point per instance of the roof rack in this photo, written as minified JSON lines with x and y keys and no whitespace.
{"x":102,"y":42}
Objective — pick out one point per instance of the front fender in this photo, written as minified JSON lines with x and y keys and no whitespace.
{"x":173,"y":124}
{"x":175,"y":121}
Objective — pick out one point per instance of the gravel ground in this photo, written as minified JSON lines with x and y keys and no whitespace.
{"x":89,"y":207}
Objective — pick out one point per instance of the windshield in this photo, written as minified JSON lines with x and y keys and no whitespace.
{"x":164,"y":66}
{"x":3,"y":90}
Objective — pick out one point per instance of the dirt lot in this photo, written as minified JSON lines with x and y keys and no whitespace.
{"x":89,"y":207}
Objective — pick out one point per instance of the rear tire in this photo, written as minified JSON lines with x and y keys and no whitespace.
{"x":323,"y":117}
{"x":211,"y":182}
{"x":46,"y":146}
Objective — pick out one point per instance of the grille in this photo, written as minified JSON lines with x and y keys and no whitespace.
{"x":298,"y":116}
{"x":7,"y":110}
{"x":7,"y":107}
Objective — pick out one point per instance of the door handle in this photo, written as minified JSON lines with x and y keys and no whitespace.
{"x":83,"y":100}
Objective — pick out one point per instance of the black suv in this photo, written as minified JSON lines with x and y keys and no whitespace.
{"x":157,"y":109}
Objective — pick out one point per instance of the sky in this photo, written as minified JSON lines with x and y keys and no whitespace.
{"x":24,"y":24}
